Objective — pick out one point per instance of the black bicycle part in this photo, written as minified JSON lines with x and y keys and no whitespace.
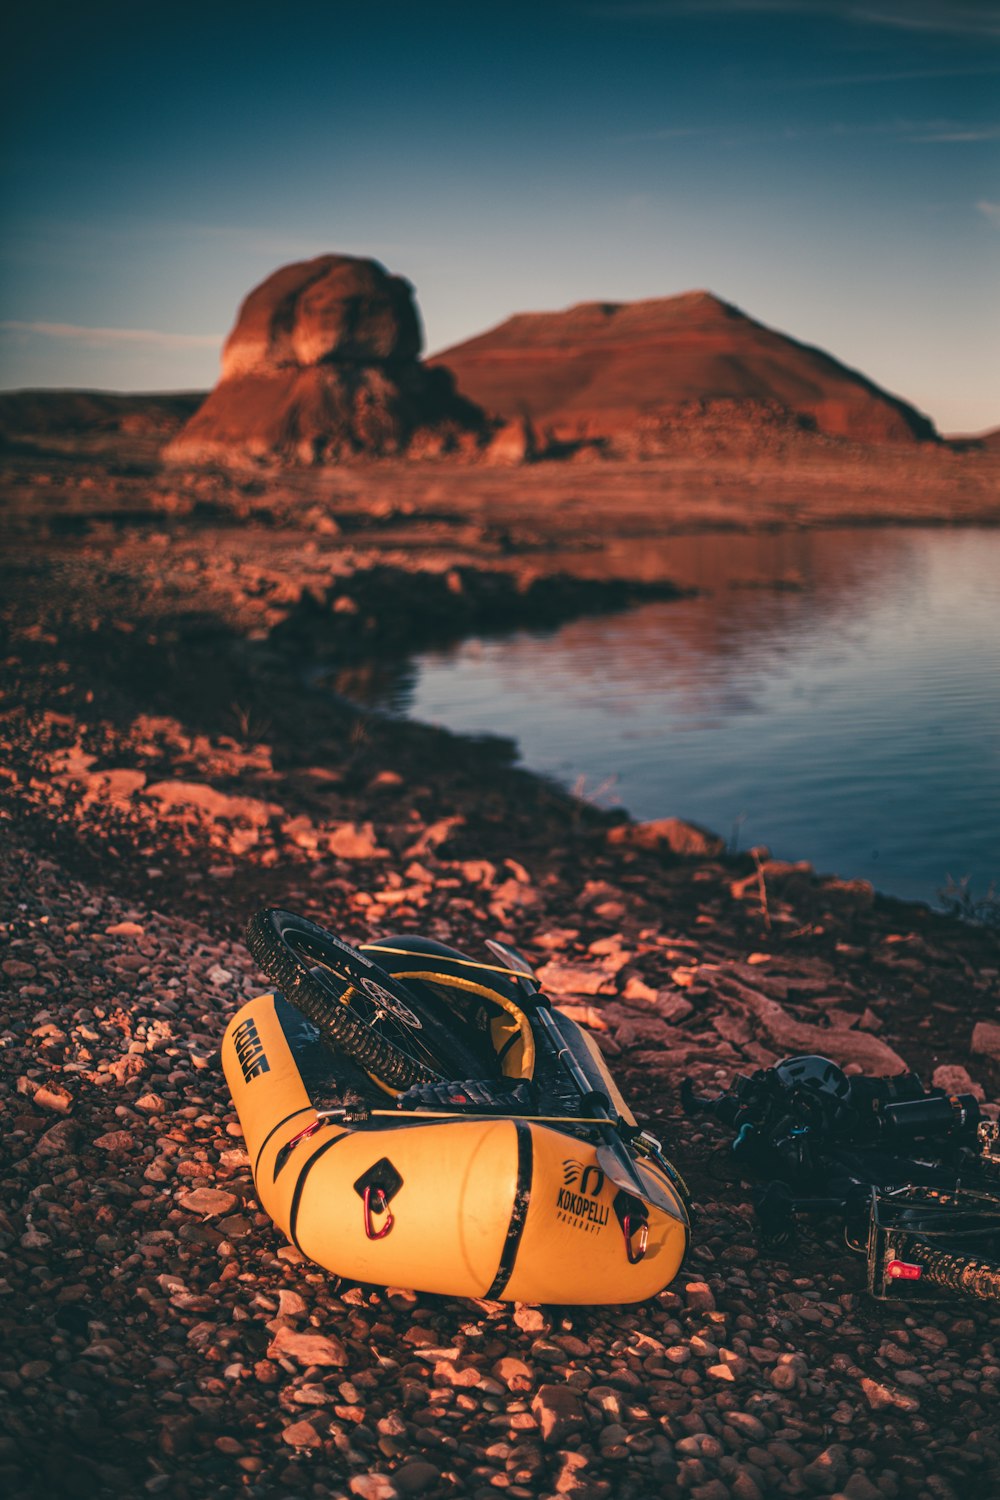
{"x":924,"y":1241}
{"x":398,"y":1037}
{"x":504,"y":1096}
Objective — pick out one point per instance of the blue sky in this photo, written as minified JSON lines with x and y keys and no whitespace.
{"x":833,"y":168}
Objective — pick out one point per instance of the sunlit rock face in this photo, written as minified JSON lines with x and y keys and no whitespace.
{"x":686,"y":373}
{"x":323,"y":366}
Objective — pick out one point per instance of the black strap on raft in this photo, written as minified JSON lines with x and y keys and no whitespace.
{"x":480,"y":1096}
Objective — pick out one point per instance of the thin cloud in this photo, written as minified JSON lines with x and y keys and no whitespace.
{"x":990,"y":210}
{"x":909,"y":75}
{"x":981,"y":19}
{"x":959,"y":135}
{"x":942,"y":16}
{"x":151,"y":338}
{"x":909,"y":132}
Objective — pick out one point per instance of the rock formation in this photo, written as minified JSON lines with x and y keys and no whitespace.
{"x":642,"y":376}
{"x":322,"y":366}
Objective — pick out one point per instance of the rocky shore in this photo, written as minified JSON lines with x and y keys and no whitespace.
{"x":180,"y":746}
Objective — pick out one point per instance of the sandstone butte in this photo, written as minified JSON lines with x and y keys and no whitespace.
{"x":323,"y":365}
{"x":632,"y":377}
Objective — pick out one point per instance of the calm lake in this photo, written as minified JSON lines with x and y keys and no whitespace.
{"x":834,"y":695}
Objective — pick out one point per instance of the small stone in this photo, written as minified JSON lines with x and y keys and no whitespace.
{"x":747,"y":1425}
{"x":828,"y":1470}
{"x":374,"y":1487}
{"x":880,"y":1397}
{"x":446,"y":1372}
{"x":125,"y":929}
{"x":352,"y":842}
{"x":530,"y":1319}
{"x":672,"y":1007}
{"x":558,"y":1411}
{"x":308,"y":1348}
{"x":290,"y":1304}
{"x":208,"y":1201}
{"x":15,"y":968}
{"x":986,"y":1039}
{"x":57,"y":1140}
{"x":699,"y":1296}
{"x":301,"y":1435}
{"x":57,"y":1099}
{"x":514,"y":1373}
{"x":115,"y":1140}
{"x":416,"y":1476}
{"x":860,"y":1487}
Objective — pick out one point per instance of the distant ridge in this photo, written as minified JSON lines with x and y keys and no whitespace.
{"x":610,"y":370}
{"x":52,"y":414}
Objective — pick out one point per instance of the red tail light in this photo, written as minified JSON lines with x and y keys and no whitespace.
{"x":903,"y":1270}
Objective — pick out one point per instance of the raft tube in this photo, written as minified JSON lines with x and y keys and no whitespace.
{"x":502,"y":1208}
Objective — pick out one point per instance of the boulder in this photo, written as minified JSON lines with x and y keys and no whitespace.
{"x":514,"y":443}
{"x":955,"y":1079}
{"x":670,"y":834}
{"x":986,"y":1039}
{"x":322,"y":366}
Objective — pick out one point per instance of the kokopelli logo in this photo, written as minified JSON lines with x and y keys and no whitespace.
{"x":591,"y":1179}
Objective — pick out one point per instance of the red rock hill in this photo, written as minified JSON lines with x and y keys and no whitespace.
{"x":629,"y":372}
{"x":323,"y":364}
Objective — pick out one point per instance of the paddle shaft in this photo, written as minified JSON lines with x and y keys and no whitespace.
{"x":597,"y":1106}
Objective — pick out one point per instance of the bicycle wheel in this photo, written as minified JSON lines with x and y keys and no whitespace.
{"x":380,"y":1023}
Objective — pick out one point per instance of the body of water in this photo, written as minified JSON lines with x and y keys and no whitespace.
{"x":833,"y":695}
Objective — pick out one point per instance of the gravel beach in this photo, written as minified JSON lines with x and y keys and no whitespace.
{"x":164,"y":773}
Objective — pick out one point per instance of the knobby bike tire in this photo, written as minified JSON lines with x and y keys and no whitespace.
{"x":969,"y":1275}
{"x":340,"y":1027}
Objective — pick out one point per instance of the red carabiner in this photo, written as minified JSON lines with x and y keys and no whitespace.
{"x":635,"y":1256}
{"x":380,"y":1206}
{"x":304,"y":1135}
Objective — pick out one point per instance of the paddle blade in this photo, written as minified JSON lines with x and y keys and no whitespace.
{"x":510,"y":958}
{"x":618,"y":1169}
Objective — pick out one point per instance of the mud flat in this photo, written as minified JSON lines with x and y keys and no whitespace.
{"x":166,"y":768}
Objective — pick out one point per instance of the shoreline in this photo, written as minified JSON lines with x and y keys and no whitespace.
{"x":164,"y":775}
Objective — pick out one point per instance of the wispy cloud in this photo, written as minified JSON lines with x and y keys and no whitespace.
{"x":107,"y":338}
{"x":990,"y":210}
{"x":908,"y":132}
{"x":958,"y":135}
{"x":981,"y":18}
{"x":974,"y":19}
{"x":900,"y":75}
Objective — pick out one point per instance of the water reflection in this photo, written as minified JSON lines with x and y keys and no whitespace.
{"x":835,"y":691}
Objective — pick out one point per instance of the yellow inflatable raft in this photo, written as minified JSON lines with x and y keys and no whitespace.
{"x":504,"y":1207}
